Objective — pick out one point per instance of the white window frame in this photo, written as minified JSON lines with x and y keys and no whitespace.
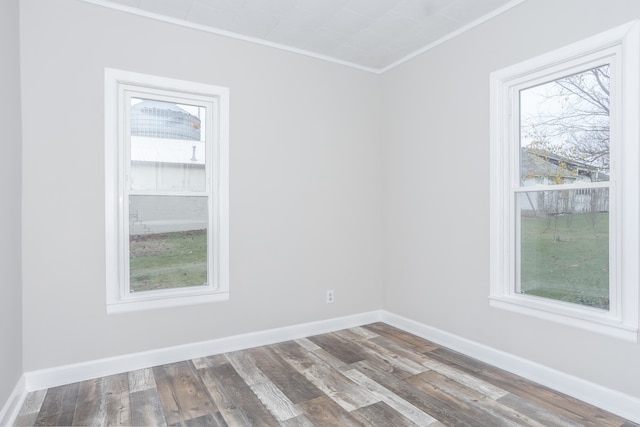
{"x":621,"y":48}
{"x":120,"y":86}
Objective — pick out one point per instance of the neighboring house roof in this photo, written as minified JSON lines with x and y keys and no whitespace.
{"x":541,"y":163}
{"x":162,"y":150}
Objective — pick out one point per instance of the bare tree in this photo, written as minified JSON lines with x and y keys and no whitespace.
{"x":574,"y":123}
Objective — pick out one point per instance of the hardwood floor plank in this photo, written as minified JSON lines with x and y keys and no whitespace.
{"x":299,"y":421}
{"x":364,"y":332}
{"x":323,"y":411}
{"x":536,"y":412}
{"x":30,"y":408}
{"x":32,"y":402}
{"x":146,"y":408}
{"x":394,"y":347}
{"x":246,"y":367}
{"x":380,"y":414}
{"x":26,"y":420}
{"x":344,"y":350}
{"x":117,"y":400}
{"x":142,"y":379}
{"x":333,"y":383}
{"x":307,"y":344}
{"x":103,"y":401}
{"x":293,"y":384}
{"x":391,"y":399}
{"x":269,"y":394}
{"x":209,"y":420}
{"x":182,"y":393}
{"x":275,"y":401}
{"x":90,"y":406}
{"x":234,"y":398}
{"x":402,"y":337}
{"x":477,"y":384}
{"x":58,"y":406}
{"x":383,"y":357}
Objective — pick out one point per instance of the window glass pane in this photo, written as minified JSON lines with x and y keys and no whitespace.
{"x":564,"y":130}
{"x":167,"y":146}
{"x":564,"y":245}
{"x":167,"y":242}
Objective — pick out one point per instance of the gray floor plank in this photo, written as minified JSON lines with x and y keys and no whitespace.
{"x":182,"y":393}
{"x":146,"y":409}
{"x":58,"y":406}
{"x":380,"y":414}
{"x":141,"y":379}
{"x":235,"y":399}
{"x":332,"y":382}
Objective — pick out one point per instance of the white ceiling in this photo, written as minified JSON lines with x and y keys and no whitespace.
{"x":369,"y":34}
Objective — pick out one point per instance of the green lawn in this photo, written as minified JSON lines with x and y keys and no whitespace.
{"x":567,"y":258}
{"x":168,"y":260}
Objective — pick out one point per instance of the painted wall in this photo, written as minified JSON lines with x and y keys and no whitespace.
{"x":437,"y":154}
{"x":305,"y":183}
{"x":10,"y":264}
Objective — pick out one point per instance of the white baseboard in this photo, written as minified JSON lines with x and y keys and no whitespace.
{"x":610,"y":400}
{"x":10,"y":410}
{"x":46,"y":378}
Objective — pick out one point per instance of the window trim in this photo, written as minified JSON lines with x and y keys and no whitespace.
{"x":623,"y":43}
{"x":118,"y":299}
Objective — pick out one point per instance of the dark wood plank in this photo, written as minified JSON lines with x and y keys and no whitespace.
{"x":182,"y":393}
{"x":332,"y":382}
{"x":234,"y":398}
{"x":58,"y":406}
{"x":402,"y":337}
{"x":293,"y":384}
{"x":386,"y":359}
{"x":346,"y":351}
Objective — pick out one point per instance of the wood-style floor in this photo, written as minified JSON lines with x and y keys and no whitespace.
{"x":374,"y":375}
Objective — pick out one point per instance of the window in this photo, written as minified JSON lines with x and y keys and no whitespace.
{"x":167,"y":227}
{"x":565,"y":183}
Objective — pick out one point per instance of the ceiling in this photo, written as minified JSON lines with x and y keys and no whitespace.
{"x":374,"y":35}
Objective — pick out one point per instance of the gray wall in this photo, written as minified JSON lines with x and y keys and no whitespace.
{"x":10,"y":247}
{"x":437,"y":154}
{"x":305,"y":174}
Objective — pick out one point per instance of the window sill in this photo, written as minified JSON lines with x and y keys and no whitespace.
{"x":124,"y":306}
{"x":592,"y":320}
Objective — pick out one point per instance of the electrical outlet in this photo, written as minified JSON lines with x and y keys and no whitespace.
{"x":330,"y":297}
